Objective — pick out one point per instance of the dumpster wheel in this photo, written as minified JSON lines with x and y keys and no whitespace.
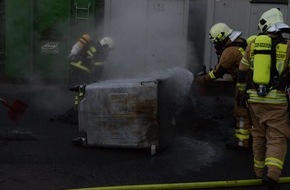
{"x":153,"y":149}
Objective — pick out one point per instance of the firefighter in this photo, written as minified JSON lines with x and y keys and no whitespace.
{"x":229,"y":46}
{"x":87,"y":59}
{"x":268,"y":60}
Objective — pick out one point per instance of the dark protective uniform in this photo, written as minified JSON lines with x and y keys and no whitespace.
{"x":87,"y":63}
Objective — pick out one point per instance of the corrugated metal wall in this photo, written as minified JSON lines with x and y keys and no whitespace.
{"x":197,"y":33}
{"x":21,"y":31}
{"x":87,"y":17}
{"x":150,"y":36}
{"x":2,"y":30}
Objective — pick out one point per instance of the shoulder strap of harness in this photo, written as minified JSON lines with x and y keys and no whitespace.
{"x":242,"y":44}
{"x":275,"y":42}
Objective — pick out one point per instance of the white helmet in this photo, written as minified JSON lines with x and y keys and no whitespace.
{"x":219,"y":32}
{"x":272,"y":21}
{"x":107,"y":41}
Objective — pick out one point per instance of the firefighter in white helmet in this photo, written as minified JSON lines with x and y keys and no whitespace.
{"x":268,"y":61}
{"x":229,"y":46}
{"x":87,"y":59}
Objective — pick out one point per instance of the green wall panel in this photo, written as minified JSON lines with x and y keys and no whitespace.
{"x":18,"y":37}
{"x":40,"y":33}
{"x":50,"y":39}
{"x":37,"y":35}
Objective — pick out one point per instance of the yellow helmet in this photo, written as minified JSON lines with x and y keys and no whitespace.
{"x":219,"y":32}
{"x":272,"y":21}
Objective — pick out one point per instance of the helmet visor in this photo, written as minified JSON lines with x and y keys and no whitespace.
{"x":277,"y":27}
{"x":234,"y":35}
{"x":106,"y":47}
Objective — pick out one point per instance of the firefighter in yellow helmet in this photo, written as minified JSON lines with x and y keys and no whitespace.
{"x":229,"y":47}
{"x":268,"y":61}
{"x":87,"y":59}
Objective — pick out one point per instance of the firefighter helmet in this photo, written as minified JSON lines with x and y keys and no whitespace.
{"x":107,"y":41}
{"x":219,"y":32}
{"x":272,"y":21}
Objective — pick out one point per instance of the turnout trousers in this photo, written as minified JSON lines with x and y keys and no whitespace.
{"x":270,"y":133}
{"x":243,"y":124}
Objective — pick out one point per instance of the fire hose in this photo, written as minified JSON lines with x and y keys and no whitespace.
{"x":190,"y":185}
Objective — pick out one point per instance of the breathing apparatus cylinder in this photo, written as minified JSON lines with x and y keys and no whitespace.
{"x":262,"y":63}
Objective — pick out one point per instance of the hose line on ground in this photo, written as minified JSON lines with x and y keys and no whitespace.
{"x":190,"y":185}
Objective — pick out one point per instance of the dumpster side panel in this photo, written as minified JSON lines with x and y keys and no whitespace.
{"x":120,"y":114}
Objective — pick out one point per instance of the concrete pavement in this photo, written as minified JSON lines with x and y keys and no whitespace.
{"x":38,"y":154}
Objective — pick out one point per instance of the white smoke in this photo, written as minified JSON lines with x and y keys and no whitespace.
{"x":150,"y":37}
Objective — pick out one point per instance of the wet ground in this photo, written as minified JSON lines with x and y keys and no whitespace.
{"x":38,"y":154}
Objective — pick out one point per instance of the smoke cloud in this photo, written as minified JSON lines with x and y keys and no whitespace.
{"x":150,"y":37}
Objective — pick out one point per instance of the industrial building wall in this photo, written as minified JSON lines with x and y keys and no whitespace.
{"x":241,"y":15}
{"x":150,"y":36}
{"x":2,"y":38}
{"x":2,"y":30}
{"x":86,"y":16}
{"x":154,"y":33}
{"x":50,"y":35}
{"x":197,"y":33}
{"x":18,"y":37}
{"x":36,"y":36}
{"x":39,"y":36}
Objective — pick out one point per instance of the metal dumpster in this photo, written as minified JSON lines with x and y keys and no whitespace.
{"x":132,"y":113}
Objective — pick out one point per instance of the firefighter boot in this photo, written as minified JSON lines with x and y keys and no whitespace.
{"x":270,"y":183}
{"x":79,"y":141}
{"x":235,"y":145}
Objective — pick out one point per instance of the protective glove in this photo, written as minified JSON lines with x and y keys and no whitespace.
{"x":203,"y":72}
{"x":200,"y":80}
{"x":73,"y":58}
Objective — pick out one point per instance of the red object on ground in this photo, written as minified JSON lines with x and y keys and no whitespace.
{"x":16,"y":109}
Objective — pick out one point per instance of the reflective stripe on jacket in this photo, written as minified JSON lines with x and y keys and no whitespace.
{"x":273,"y":97}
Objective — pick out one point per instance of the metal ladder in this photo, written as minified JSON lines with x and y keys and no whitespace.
{"x":82,"y":13}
